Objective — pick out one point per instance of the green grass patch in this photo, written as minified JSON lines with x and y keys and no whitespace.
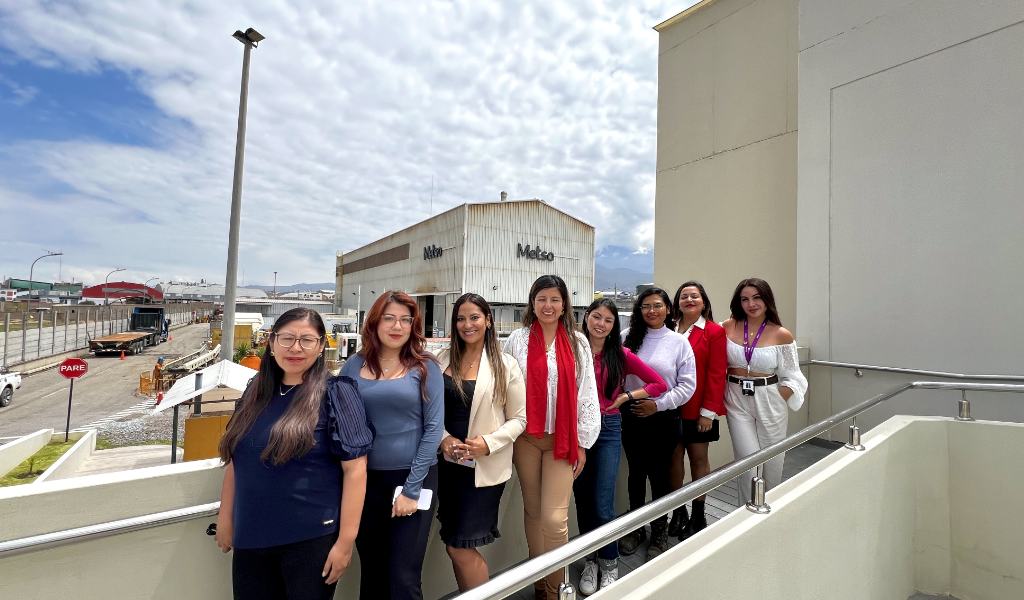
{"x":34,"y":465}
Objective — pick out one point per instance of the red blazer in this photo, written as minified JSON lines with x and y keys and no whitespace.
{"x":709,"y":356}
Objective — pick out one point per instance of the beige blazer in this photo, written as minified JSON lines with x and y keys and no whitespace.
{"x":499,"y":425}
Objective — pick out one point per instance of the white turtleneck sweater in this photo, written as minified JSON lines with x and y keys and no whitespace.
{"x":669,"y":353}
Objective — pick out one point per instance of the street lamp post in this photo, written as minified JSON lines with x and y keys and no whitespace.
{"x":31,"y":288}
{"x":145,"y":289}
{"x":250,"y":39}
{"x":275,"y":284}
{"x":106,"y":301}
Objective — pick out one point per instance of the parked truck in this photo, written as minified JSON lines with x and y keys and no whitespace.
{"x":147,"y":326}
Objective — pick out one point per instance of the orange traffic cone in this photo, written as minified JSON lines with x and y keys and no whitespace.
{"x":122,"y":355}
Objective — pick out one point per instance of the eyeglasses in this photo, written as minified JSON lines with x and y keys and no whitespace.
{"x":390,"y":320}
{"x":655,"y":306}
{"x":287,"y":340}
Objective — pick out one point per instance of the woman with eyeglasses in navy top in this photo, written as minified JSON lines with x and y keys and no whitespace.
{"x":403,"y":393}
{"x":295,"y":479}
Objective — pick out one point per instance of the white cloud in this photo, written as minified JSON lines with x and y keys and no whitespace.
{"x":353,"y":108}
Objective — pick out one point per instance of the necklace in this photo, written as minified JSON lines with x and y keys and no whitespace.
{"x":386,"y":369}
{"x":284,"y":392}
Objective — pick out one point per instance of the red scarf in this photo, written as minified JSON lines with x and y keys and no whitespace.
{"x":566,"y":440}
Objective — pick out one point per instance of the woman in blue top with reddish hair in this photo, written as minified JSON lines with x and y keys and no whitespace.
{"x":403,"y":394}
{"x":295,"y":441}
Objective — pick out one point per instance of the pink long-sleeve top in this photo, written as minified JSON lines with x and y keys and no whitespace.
{"x":654,"y":384}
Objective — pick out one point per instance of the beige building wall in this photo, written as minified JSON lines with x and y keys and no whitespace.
{"x":725,"y":203}
{"x":909,"y":210}
{"x":726,"y":170}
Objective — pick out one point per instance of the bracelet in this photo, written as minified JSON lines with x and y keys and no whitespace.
{"x":629,"y":395}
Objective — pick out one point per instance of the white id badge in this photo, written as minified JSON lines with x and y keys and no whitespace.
{"x":423,"y":503}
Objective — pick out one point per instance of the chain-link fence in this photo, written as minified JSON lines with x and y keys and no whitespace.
{"x":28,"y":334}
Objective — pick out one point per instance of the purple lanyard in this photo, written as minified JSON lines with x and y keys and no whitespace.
{"x":748,"y":351}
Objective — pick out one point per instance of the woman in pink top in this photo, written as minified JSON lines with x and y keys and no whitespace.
{"x":595,"y":487}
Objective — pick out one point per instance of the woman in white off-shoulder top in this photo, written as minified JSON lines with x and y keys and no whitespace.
{"x":764,"y":378}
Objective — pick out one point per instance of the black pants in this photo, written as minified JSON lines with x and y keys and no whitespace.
{"x":391,"y":549}
{"x":290,"y":571}
{"x":649,"y":443}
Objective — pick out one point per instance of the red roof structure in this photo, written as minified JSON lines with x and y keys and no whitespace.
{"x":116,"y":290}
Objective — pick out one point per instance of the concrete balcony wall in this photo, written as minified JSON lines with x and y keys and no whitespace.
{"x":925,"y":508}
{"x":174,"y":561}
{"x":13,"y":453}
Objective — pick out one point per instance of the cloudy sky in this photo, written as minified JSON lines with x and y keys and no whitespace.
{"x":117,"y":127}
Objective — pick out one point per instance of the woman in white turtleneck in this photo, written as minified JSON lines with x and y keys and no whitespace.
{"x":650,"y":427}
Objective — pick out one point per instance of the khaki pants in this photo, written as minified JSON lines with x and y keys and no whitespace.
{"x":547,"y":486}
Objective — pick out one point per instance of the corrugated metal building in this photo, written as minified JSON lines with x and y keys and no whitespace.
{"x":495,"y":249}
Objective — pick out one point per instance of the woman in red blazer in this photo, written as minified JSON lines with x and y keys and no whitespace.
{"x":699,"y":423}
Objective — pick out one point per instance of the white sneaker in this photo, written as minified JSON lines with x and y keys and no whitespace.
{"x":609,"y":573}
{"x":588,"y":580}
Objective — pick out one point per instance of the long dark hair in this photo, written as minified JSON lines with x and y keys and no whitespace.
{"x":771,"y":314}
{"x":677,"y":314}
{"x":292,"y":434}
{"x":612,"y":356}
{"x":413,"y":354}
{"x":637,"y":325}
{"x":567,"y":321}
{"x":491,"y":348}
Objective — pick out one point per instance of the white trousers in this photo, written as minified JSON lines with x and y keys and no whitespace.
{"x":755,"y":422}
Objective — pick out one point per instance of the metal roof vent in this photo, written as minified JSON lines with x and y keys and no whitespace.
{"x":504,"y":196}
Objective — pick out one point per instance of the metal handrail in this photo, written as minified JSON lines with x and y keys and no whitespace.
{"x":915,"y":372}
{"x":102,"y":530}
{"x":531,"y":570}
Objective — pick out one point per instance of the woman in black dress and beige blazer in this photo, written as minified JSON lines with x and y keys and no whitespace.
{"x":485,"y":411}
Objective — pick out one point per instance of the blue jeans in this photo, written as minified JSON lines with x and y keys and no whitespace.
{"x":595,"y":487}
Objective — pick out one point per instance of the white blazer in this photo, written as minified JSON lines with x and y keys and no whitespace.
{"x":499,"y":425}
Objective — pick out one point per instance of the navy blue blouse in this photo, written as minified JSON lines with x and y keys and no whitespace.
{"x":300,"y":499}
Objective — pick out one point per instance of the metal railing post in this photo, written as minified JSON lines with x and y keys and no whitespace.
{"x":565,"y":590}
{"x":757,"y":503}
{"x":854,"y":443}
{"x":39,"y":335}
{"x":24,"y":326}
{"x":7,"y":334}
{"x":964,"y":408}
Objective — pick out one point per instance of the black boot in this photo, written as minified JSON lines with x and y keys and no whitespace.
{"x":697,"y":521}
{"x":678,"y":523}
{"x":632,"y":541}
{"x":659,"y":539}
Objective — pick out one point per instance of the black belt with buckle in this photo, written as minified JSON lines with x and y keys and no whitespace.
{"x":758,"y":381}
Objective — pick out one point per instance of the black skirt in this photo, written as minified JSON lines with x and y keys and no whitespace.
{"x":468,"y":514}
{"x":688,"y":433}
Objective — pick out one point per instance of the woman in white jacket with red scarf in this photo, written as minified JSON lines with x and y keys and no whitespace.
{"x":563,"y":417}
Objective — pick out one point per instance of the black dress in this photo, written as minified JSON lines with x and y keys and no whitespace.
{"x":468,"y":514}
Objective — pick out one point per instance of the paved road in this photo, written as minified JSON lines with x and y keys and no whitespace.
{"x":108,"y":388}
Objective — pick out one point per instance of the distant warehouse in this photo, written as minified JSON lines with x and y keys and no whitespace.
{"x":495,"y":249}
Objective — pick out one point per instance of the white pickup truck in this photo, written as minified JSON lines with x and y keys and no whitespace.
{"x":8,"y":383}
